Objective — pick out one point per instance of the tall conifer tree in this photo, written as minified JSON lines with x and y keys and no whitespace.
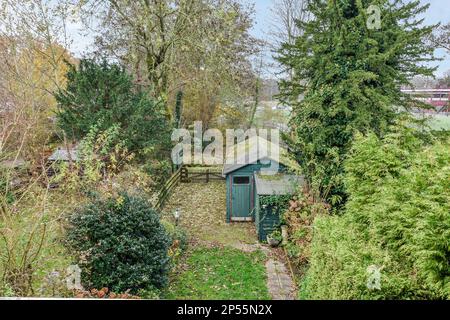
{"x":348,"y":72}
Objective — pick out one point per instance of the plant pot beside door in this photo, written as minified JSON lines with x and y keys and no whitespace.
{"x":274,"y":239}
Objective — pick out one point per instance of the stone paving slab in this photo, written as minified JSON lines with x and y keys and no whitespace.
{"x":251,"y":247}
{"x":279,"y":282}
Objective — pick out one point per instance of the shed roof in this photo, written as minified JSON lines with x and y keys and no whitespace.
{"x":65,"y":154}
{"x":280,"y":184}
{"x":254,"y":149}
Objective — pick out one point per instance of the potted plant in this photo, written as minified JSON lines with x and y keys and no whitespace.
{"x":275,"y":238}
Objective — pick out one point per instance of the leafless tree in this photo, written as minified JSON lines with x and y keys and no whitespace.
{"x":441,"y":37}
{"x":168,"y":43}
{"x":285,"y":15}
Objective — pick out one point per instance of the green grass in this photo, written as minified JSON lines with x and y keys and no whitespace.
{"x":28,"y":215}
{"x":23,"y":236}
{"x":221,"y":274}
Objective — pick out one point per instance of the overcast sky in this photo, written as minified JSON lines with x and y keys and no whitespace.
{"x":439,"y":11}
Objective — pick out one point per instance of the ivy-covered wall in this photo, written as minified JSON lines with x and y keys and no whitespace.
{"x":268,"y":220}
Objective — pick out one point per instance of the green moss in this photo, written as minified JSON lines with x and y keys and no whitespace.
{"x":275,"y":177}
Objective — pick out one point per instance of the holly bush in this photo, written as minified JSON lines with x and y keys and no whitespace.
{"x":121,"y":244}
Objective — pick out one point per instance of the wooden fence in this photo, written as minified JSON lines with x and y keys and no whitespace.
{"x":186,"y":174}
{"x":200,"y":174}
{"x":161,"y":197}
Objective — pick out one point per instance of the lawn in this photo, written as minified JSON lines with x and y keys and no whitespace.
{"x":214,"y":267}
{"x":440,"y":122}
{"x":220,"y":274}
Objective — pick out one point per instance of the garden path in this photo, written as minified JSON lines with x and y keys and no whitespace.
{"x":203,"y":208}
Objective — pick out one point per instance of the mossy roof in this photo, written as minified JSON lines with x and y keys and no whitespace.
{"x":65,"y":154}
{"x":280,"y":184}
{"x":255,"y":149}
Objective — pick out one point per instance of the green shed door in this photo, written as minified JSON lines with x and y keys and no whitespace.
{"x":241,"y":198}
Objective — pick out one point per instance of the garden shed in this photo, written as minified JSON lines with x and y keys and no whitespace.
{"x":272,"y":193}
{"x":65,"y":154}
{"x":62,"y":155}
{"x":241,"y":179}
{"x":241,"y":191}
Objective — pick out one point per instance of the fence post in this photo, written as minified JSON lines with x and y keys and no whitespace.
{"x":184,"y":175}
{"x":207,"y":176}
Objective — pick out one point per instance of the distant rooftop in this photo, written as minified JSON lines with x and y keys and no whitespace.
{"x":65,"y":154}
{"x":426,"y":90}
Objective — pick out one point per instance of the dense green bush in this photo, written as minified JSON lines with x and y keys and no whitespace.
{"x":104,"y":95}
{"x":121,"y":243}
{"x":159,"y":170}
{"x":397,"y":218}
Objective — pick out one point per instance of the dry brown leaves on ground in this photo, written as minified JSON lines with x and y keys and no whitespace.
{"x":203,"y":214}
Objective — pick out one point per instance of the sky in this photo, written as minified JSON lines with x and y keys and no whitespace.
{"x":439,"y":11}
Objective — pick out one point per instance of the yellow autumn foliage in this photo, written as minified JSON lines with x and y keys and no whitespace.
{"x":30,"y":75}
